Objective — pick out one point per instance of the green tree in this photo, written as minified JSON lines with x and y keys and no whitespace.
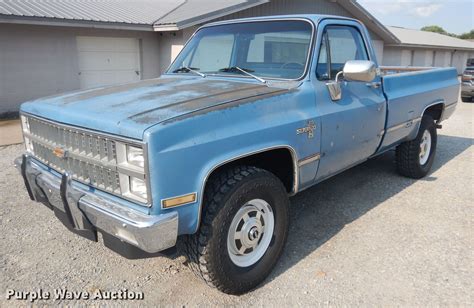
{"x":436,"y":29}
{"x":468,"y":35}
{"x":440,"y":30}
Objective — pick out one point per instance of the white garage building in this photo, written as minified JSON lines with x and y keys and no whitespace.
{"x":51,"y":46}
{"x":420,"y":48}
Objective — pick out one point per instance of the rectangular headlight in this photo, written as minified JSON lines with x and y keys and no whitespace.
{"x":138,"y":188}
{"x":132,"y":173}
{"x":135,"y":156}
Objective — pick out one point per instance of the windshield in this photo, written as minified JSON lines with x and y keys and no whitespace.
{"x":268,"y":49}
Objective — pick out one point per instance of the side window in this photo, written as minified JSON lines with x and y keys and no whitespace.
{"x":344,"y":44}
{"x":212,"y":53}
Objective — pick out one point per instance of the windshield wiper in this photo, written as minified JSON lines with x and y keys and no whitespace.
{"x":246,"y":71}
{"x":189,"y":69}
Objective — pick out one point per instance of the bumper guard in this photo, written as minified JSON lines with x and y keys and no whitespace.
{"x":85,"y":213}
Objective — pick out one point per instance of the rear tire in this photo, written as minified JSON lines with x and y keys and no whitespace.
{"x":415,"y":158}
{"x":241,"y":204}
{"x":466,"y":99}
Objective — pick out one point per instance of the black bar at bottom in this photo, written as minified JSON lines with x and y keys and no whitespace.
{"x":24,"y":161}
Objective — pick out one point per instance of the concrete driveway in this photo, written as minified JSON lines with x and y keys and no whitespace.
{"x":365,"y":237}
{"x":10,"y":132}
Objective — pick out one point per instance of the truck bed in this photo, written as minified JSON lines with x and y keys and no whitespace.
{"x":409,"y":92}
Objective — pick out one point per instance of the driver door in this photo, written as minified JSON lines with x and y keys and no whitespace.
{"x":352,"y":126}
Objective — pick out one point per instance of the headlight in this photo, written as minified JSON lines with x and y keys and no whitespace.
{"x":135,"y":156}
{"x":138,"y":188}
{"x":131,"y":168}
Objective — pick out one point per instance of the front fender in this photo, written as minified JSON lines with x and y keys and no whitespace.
{"x":183,"y":153}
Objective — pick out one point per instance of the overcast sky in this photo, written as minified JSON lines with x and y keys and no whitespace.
{"x":455,"y":16}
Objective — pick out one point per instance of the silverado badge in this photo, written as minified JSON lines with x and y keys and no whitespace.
{"x":308,"y":129}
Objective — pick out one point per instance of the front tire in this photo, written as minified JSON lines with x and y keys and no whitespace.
{"x":243,"y":230}
{"x":415,"y":158}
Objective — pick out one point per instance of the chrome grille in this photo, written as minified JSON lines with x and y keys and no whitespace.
{"x":89,"y":158}
{"x":96,"y":147}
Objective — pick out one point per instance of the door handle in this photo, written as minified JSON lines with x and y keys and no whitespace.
{"x":374,"y":85}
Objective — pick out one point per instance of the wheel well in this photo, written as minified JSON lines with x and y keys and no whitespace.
{"x":277,"y":161}
{"x":435,"y":111}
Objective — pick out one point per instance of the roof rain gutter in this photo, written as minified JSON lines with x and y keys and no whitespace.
{"x":46,"y":21}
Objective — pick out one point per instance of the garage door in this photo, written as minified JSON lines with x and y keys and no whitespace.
{"x":105,"y":61}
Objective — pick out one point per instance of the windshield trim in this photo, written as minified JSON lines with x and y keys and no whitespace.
{"x":238,"y":21}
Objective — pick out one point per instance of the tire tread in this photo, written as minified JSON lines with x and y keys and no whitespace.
{"x":407,"y":153}
{"x":195,"y":245}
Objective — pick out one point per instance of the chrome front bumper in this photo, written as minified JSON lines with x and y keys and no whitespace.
{"x":86,"y":213}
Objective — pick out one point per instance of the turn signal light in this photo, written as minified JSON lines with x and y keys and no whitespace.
{"x":177,"y":201}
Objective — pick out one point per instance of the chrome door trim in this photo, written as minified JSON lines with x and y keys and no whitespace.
{"x":309,"y":159}
{"x":406,"y":124}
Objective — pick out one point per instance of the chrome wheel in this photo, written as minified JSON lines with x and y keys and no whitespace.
{"x":425,"y":147}
{"x":250,"y":233}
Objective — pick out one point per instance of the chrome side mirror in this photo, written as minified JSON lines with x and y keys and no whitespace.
{"x":354,"y":70}
{"x":358,"y":70}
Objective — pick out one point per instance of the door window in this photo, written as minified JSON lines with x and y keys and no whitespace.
{"x":340,"y":44}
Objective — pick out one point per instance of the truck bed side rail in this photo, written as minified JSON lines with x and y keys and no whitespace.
{"x":388,"y":70}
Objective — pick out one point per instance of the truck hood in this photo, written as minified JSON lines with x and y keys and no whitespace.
{"x":128,"y":110}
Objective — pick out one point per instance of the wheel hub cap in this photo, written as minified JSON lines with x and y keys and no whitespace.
{"x":425,"y":147}
{"x":253,"y":234}
{"x":250,"y":233}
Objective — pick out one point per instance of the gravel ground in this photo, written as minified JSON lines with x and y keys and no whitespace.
{"x":365,"y":237}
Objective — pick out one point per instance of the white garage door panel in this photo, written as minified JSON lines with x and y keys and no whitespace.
{"x":106,"y":61}
{"x":92,"y":60}
{"x":92,"y":43}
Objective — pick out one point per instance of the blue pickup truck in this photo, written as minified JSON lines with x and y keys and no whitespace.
{"x":252,"y":111}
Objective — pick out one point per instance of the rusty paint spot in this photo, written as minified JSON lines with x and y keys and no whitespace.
{"x":203,"y":100}
{"x":113,"y":90}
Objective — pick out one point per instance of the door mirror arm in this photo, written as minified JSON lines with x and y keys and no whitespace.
{"x":334,"y":87}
